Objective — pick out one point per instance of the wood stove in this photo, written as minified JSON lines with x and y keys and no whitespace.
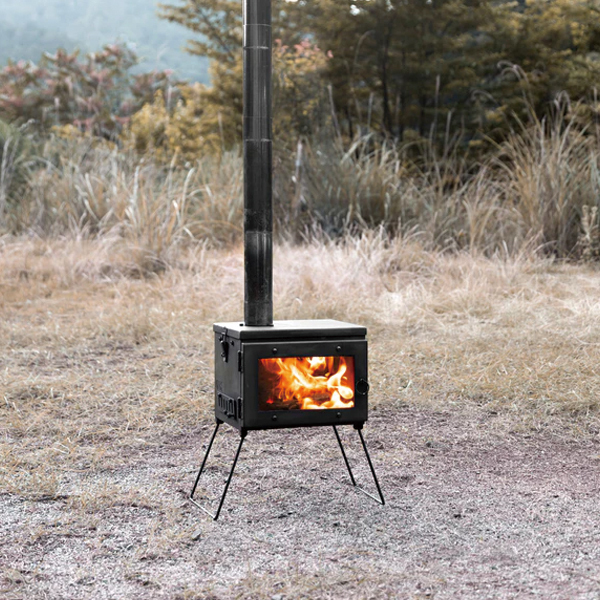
{"x":275,"y":375}
{"x":292,"y":374}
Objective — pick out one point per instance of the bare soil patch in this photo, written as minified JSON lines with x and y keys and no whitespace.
{"x":483,"y":429}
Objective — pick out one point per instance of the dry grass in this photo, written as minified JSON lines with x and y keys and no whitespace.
{"x":92,"y":189}
{"x":94,"y":360}
{"x":550,"y":178}
{"x":106,"y":378}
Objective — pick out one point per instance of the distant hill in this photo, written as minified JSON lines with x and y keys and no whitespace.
{"x":30,"y":27}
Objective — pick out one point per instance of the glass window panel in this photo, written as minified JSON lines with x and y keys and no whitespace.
{"x":306,"y":383}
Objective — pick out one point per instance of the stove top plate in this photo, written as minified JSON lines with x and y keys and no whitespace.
{"x":292,"y":330}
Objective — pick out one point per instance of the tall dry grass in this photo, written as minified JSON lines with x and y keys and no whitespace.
{"x":15,"y":150}
{"x":550,"y":174}
{"x":434,"y":197}
{"x":530,"y":194}
{"x":86,"y":188}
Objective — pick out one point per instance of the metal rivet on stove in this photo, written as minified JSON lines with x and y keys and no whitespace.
{"x":275,"y":350}
{"x":339,"y":348}
{"x":274,"y":417}
{"x":338,"y":415}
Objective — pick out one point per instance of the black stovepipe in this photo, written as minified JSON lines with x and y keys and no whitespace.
{"x":258,"y":165}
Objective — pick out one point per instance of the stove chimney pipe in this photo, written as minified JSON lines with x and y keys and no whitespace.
{"x":258,"y":165}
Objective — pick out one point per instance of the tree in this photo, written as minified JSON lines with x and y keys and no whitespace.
{"x":416,"y":69}
{"x":208,"y":120}
{"x":403,"y":65}
{"x":546,"y":49}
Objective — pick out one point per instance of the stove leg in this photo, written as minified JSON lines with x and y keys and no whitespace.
{"x":337,"y":435}
{"x":237,"y":455}
{"x":381,"y":499}
{"x":364,"y":445}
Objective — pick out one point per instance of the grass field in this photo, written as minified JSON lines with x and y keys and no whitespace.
{"x":106,"y":399}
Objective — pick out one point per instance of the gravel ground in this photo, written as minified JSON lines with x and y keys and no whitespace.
{"x":472,"y":512}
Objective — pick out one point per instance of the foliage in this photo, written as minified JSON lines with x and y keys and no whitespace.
{"x":206,"y":120}
{"x":96,"y":94}
{"x":434,"y":68}
{"x":415,"y":69}
{"x":184,"y":133}
{"x":222,"y":106}
{"x":297,"y":89}
{"x":297,"y":62}
{"x":401,"y":64}
{"x":147,"y":131}
{"x":550,"y":50}
{"x":176,"y":134}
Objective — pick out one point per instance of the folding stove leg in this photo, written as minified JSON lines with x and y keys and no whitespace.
{"x":237,"y":454}
{"x":381,"y":499}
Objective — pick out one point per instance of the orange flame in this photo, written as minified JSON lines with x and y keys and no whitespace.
{"x":306,"y":383}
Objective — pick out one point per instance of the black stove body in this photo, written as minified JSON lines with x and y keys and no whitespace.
{"x":250,"y":365}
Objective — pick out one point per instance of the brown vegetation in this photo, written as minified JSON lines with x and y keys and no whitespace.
{"x":92,"y":353}
{"x":537,"y":193}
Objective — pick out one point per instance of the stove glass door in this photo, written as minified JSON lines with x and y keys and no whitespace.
{"x":306,"y":383}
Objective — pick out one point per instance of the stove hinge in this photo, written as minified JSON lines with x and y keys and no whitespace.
{"x":223,"y":340}
{"x":240,"y":362}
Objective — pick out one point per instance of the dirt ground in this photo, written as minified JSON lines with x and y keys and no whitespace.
{"x":483,"y":428}
{"x":468,"y":515}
